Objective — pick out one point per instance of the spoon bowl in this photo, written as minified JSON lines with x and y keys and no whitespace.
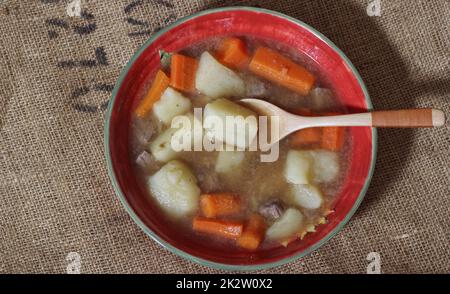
{"x":289,"y":123}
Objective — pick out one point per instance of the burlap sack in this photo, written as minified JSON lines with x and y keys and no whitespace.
{"x":56,"y":74}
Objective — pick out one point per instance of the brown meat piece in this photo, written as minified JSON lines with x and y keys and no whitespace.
{"x":271,"y":210}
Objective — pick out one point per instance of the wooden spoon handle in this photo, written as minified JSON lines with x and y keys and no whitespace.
{"x":408,"y":118}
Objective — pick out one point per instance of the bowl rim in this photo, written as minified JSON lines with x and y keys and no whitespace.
{"x":186,"y":255}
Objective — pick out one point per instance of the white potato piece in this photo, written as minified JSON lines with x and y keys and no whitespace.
{"x":189,"y":133}
{"x":325,"y":165}
{"x":298,"y":167}
{"x":183,"y":135}
{"x":216,"y":80}
{"x":229,"y":161}
{"x":286,"y":226}
{"x":175,"y":189}
{"x":171,"y":104}
{"x":161,"y":147}
{"x":241,"y":133}
{"x":307,"y":196}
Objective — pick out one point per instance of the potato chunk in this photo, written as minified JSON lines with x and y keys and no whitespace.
{"x":241,"y":133}
{"x":325,"y":165}
{"x":161,"y":147}
{"x":185,"y":136}
{"x":175,"y":189}
{"x":297,"y":169}
{"x":171,"y":104}
{"x":216,"y":80}
{"x":286,"y":226}
{"x":307,"y":196}
{"x":190,"y":134}
{"x":229,"y":161}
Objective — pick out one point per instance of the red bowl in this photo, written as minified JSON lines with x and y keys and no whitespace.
{"x":334,"y":67}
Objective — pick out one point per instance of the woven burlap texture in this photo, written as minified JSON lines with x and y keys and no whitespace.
{"x":56,"y":74}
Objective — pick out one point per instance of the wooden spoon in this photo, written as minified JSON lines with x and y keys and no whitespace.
{"x":289,"y":123}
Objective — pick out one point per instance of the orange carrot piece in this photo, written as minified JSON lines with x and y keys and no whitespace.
{"x":253,"y":233}
{"x":233,"y":53}
{"x":220,"y":204}
{"x":332,"y":138}
{"x":277,"y":68}
{"x":182,"y":72}
{"x":160,"y":83}
{"x":220,"y":228}
{"x":309,"y":136}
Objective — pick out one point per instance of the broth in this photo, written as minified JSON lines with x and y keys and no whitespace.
{"x":256,"y":183}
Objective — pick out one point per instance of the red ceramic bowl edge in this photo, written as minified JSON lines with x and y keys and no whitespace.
{"x":199,"y":260}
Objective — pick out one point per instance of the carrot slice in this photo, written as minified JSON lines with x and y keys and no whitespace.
{"x":160,"y":83}
{"x":253,"y":233}
{"x":305,"y":137}
{"x":332,"y":138}
{"x":277,"y":68}
{"x":220,"y":204}
{"x":182,"y":72}
{"x":309,"y":136}
{"x":233,"y":53}
{"x":220,"y":228}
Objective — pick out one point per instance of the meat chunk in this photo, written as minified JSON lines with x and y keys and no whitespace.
{"x":271,"y":210}
{"x":146,"y":162}
{"x":144,"y":159}
{"x":143,"y":129}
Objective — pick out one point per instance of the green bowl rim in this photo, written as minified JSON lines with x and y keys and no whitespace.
{"x":188,"y":256}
